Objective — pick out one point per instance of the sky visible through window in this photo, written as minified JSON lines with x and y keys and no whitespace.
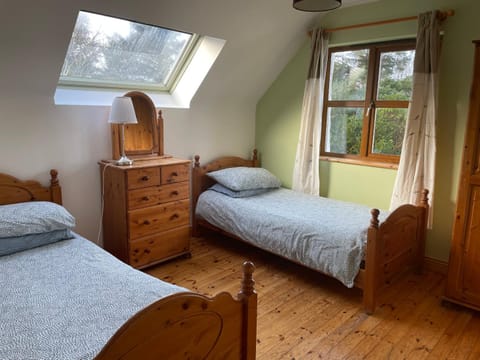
{"x":111,"y":52}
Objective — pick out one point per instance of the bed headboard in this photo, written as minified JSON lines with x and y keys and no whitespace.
{"x":200,"y":180}
{"x":13,"y":190}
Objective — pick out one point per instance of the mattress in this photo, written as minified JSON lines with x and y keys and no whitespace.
{"x":324,"y":234}
{"x":65,"y":300}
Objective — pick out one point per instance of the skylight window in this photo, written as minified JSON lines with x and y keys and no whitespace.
{"x":108,"y":52}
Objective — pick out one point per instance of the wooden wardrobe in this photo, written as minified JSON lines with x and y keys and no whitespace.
{"x":463,"y":282}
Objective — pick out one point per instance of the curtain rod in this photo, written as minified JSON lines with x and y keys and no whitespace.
{"x":442,"y":15}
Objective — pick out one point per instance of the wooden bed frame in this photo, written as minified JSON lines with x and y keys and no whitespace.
{"x":183,"y":325}
{"x":392,"y":247}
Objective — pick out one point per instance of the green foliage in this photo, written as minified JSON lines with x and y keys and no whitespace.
{"x":349,"y":77}
{"x":345,"y":130}
{"x":348,"y":82}
{"x":389,"y":129}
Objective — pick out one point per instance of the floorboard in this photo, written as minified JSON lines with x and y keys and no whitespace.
{"x":305,"y":315}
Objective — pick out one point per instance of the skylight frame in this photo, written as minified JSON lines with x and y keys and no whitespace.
{"x":173,"y":78}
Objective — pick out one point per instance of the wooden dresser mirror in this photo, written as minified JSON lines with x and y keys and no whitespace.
{"x":144,"y":139}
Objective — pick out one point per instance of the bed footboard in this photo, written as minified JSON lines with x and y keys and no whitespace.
{"x":191,"y":326}
{"x":396,"y":245}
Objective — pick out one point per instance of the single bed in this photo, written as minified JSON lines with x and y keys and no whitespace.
{"x":70,"y":299}
{"x":350,"y":242}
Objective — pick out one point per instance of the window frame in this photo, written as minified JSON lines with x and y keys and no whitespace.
{"x":366,"y":155}
{"x":180,"y":67}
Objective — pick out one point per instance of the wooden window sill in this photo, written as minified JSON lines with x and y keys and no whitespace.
{"x":378,"y":164}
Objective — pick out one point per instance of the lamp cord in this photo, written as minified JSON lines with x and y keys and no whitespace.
{"x":102,"y":204}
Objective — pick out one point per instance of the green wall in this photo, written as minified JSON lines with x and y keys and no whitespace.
{"x":278,"y":111}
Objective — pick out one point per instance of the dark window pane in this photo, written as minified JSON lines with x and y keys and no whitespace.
{"x":395,"y":78}
{"x":348,"y":75}
{"x":389,"y":130}
{"x":344,"y":130}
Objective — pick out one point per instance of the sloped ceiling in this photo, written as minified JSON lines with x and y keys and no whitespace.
{"x":261,"y":35}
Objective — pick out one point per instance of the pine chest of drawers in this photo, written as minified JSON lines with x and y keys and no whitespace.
{"x":146,"y":210}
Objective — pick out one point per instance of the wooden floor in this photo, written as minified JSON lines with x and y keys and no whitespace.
{"x":304,"y":315}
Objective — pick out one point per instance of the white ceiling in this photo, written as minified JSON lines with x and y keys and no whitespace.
{"x":262,"y":36}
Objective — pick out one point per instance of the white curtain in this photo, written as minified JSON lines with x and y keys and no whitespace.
{"x":416,"y":170}
{"x":306,"y":176}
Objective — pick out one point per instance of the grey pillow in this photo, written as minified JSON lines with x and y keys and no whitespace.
{"x":245,"y":178}
{"x":237,"y":194}
{"x":15,"y":244}
{"x":33,"y":217}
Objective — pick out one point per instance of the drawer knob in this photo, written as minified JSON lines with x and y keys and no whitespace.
{"x":146,"y":222}
{"x":172,"y":176}
{"x":145,"y":198}
{"x":145,"y":178}
{"x":174,"y":216}
{"x":174,"y":193}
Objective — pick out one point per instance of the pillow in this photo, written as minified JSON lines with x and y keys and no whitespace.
{"x":33,"y":217}
{"x":15,"y":244}
{"x":245,"y":178}
{"x":237,"y":194}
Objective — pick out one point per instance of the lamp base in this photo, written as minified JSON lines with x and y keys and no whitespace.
{"x":123,"y":161}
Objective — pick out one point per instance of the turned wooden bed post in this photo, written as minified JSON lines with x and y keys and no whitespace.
{"x":248,"y":296}
{"x":372,"y":264}
{"x":55,"y":189}
{"x":196,"y":190}
{"x":256,"y":162}
{"x":422,"y":231}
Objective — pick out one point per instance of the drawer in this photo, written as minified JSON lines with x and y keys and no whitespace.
{"x":148,"y":221}
{"x":139,"y":178}
{"x":155,"y":195}
{"x":160,"y":246}
{"x":175,"y":173}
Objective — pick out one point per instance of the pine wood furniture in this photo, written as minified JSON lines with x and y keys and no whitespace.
{"x":463,"y":282}
{"x":146,"y":216}
{"x":165,"y":329}
{"x":146,"y":211}
{"x":393,"y":246}
{"x":144,"y":139}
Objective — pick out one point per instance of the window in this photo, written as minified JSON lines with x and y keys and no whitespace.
{"x":108,"y":52}
{"x":367,"y":93}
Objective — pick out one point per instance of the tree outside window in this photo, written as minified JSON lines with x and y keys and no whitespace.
{"x":368,"y":89}
{"x":110,"y":52}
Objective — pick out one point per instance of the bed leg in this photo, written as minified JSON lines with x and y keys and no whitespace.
{"x":372,"y":267}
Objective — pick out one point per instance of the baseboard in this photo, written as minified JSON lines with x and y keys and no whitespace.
{"x":435,"y":265}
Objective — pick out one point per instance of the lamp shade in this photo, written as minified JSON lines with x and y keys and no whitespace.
{"x":316,"y":5}
{"x":122,"y":111}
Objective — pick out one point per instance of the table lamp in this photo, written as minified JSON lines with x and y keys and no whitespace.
{"x":122,"y":113}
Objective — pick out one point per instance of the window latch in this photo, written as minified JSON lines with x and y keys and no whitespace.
{"x":370,"y":107}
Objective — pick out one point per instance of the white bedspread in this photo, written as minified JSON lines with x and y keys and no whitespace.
{"x":324,"y":234}
{"x":65,"y":300}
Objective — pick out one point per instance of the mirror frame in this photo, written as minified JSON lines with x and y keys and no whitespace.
{"x":147,"y":117}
